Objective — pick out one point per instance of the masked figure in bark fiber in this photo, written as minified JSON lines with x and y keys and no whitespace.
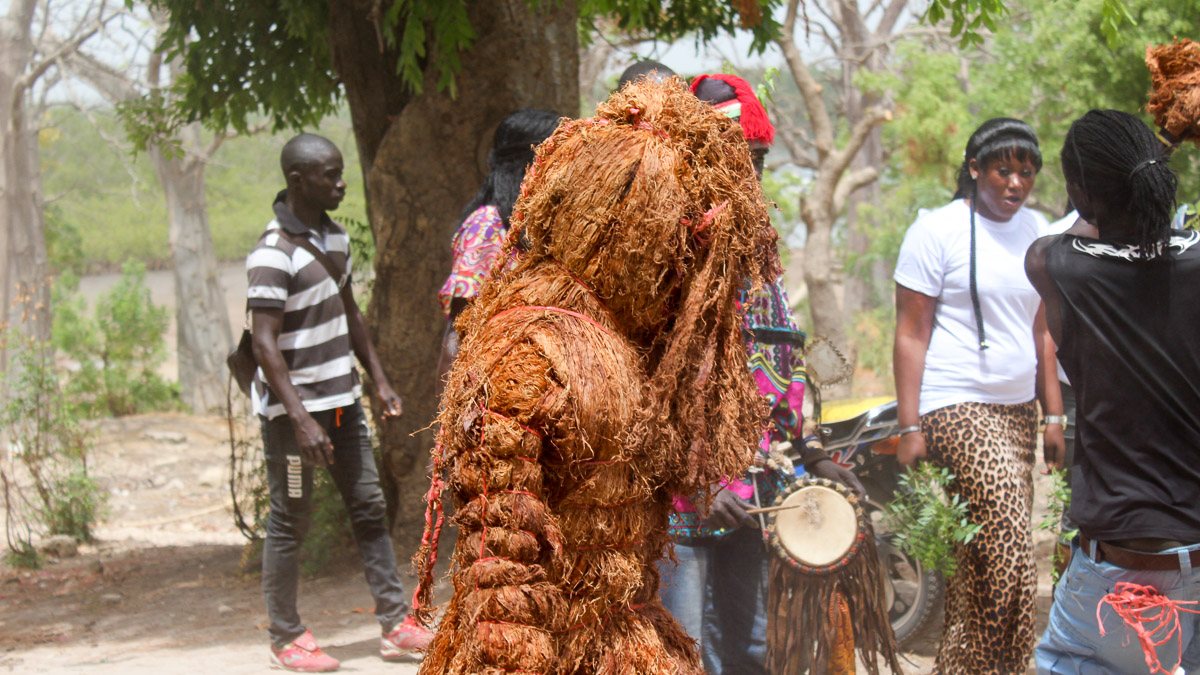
{"x":602,"y":373}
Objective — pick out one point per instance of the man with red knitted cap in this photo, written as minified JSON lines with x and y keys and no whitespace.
{"x":718,"y":590}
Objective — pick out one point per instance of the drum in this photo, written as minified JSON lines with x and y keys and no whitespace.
{"x":826,"y":596}
{"x":818,"y":526}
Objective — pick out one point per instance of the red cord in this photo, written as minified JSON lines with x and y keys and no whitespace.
{"x":1138,"y":605}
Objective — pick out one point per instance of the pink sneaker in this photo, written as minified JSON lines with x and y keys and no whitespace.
{"x":303,"y":656}
{"x":407,"y":637}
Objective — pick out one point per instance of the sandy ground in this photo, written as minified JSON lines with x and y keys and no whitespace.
{"x":164,"y":588}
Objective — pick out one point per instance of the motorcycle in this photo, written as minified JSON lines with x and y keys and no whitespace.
{"x":860,"y":434}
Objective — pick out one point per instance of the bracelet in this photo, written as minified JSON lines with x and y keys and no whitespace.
{"x":909,"y":430}
{"x":813,"y":451}
{"x":1060,"y":420}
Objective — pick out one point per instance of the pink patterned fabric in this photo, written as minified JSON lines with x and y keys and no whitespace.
{"x":779,"y":372}
{"x":476,"y":248}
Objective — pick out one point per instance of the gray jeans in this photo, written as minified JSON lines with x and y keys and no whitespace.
{"x":291,"y":485}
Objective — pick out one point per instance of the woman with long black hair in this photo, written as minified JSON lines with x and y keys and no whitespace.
{"x":479,"y":238}
{"x":968,"y":361}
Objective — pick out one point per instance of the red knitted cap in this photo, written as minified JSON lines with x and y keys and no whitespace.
{"x":756,"y":126}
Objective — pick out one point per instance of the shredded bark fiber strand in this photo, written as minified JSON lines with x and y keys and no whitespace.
{"x":1175,"y":88}
{"x":602,"y":371}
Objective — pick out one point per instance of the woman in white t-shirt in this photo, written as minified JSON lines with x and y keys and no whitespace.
{"x":969,"y":339}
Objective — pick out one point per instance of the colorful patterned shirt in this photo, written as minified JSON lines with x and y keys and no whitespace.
{"x":476,"y":248}
{"x":777,"y":365}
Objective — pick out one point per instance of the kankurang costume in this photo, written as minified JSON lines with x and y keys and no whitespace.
{"x":600,"y":374}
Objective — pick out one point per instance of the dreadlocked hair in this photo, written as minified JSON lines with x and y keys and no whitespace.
{"x":998,"y":139}
{"x":1118,"y":162}
{"x":511,"y":153}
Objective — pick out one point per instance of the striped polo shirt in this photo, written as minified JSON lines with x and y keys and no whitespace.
{"x":315,"y":337}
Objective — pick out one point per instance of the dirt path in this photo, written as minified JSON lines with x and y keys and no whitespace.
{"x":164,"y":588}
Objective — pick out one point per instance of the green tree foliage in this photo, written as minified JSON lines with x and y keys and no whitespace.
{"x":107,"y":209}
{"x":928,"y":519}
{"x":271,"y":57}
{"x":1049,"y":64}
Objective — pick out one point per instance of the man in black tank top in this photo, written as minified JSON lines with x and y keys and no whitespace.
{"x":1124,"y":310}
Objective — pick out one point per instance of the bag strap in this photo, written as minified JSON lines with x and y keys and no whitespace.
{"x":338,"y":276}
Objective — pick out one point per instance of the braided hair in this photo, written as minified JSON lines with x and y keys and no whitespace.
{"x":998,"y":139}
{"x":511,"y":153}
{"x":1118,"y":162}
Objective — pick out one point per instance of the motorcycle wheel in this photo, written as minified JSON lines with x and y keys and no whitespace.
{"x":915,"y":596}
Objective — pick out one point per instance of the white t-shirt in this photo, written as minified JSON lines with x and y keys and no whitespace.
{"x":1058,"y":227}
{"x":935,"y":260}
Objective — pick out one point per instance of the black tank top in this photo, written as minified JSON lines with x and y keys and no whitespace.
{"x":1131,"y":347}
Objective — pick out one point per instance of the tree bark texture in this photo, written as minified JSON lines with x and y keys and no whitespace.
{"x":24,"y":282}
{"x":420,"y":171}
{"x":204,"y":336}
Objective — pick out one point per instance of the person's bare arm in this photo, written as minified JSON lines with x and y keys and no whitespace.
{"x":1047,"y":333}
{"x":914,"y":326}
{"x":364,"y":349}
{"x":449,"y":345}
{"x":266,"y":324}
{"x":1049,"y":394}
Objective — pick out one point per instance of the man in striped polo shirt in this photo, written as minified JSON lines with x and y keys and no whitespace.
{"x":307,"y":330}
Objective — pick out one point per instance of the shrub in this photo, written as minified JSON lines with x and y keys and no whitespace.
{"x":928,"y":520}
{"x":118,"y":351}
{"x":51,"y":446}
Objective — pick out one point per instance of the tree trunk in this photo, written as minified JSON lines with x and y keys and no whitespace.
{"x":24,"y":285}
{"x":820,"y":275}
{"x":427,"y":163}
{"x":201,"y":318}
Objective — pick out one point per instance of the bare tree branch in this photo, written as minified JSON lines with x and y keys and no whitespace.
{"x":63,"y":49}
{"x":21,"y":12}
{"x":887,"y":24}
{"x":112,"y":84}
{"x":851,"y":181}
{"x":840,"y":160}
{"x":818,"y":115}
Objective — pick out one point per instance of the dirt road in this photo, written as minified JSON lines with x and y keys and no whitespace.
{"x":164,"y":589}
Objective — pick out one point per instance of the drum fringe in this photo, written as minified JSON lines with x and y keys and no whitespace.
{"x":802,"y":625}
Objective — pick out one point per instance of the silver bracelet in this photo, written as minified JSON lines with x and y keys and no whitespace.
{"x":1060,"y":420}
{"x":909,"y":430}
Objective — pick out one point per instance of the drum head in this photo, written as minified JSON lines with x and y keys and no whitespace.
{"x":821,"y":530}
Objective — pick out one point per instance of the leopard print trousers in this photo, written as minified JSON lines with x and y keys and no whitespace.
{"x":991,"y":600}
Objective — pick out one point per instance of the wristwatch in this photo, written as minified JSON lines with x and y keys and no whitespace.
{"x":1060,"y":420}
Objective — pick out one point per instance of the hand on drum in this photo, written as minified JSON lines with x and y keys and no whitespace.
{"x":827,"y":468}
{"x":728,"y":512}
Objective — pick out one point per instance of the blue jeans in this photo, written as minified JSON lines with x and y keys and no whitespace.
{"x":719,"y":594}
{"x":291,"y":485}
{"x":1073,"y":644}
